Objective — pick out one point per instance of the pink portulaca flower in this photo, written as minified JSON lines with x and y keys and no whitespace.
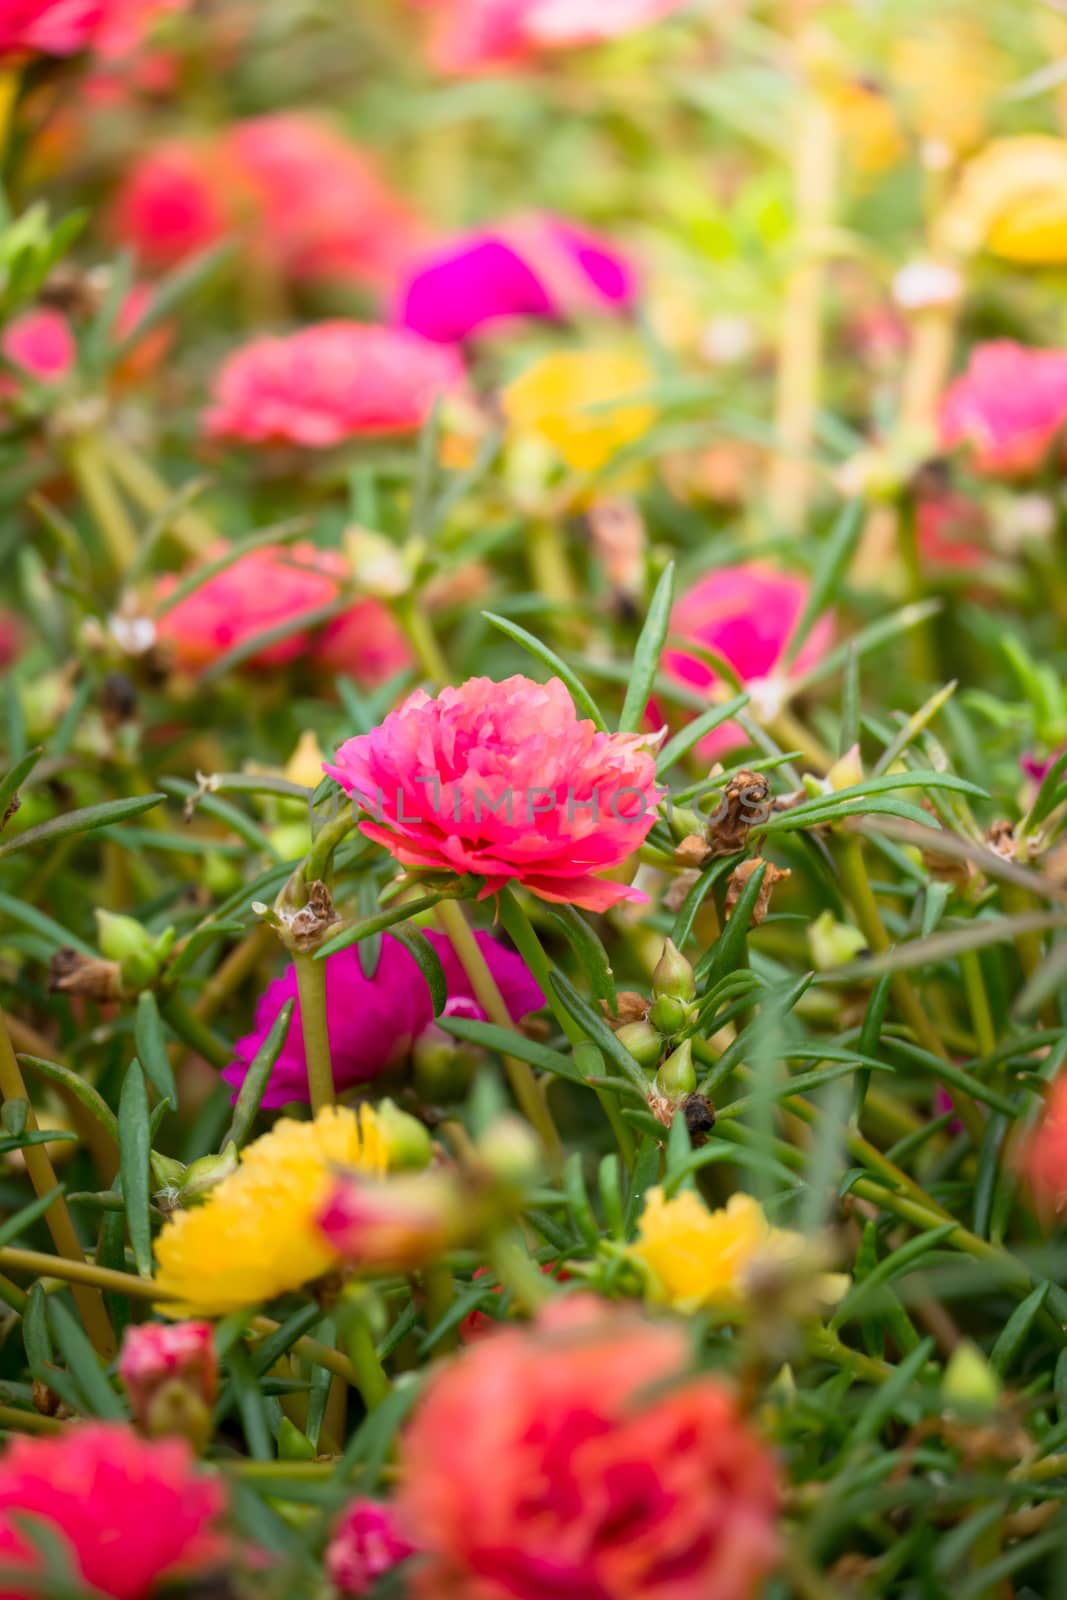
{"x":1009,"y":408}
{"x":172,"y":203}
{"x":578,"y":1458}
{"x":330,"y":383}
{"x":536,"y":267}
{"x":127,"y":1512}
{"x":504,"y":781}
{"x":1043,"y":1156}
{"x":41,"y":344}
{"x":745,"y":614}
{"x":49,"y":27}
{"x":473,"y":36}
{"x":318,"y":209}
{"x":366,"y":1544}
{"x":168,"y":1369}
{"x":374,"y":1022}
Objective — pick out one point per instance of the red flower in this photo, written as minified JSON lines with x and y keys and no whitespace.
{"x":329,"y":383}
{"x":366,"y":1544}
{"x":576,"y":1458}
{"x":127,"y":1512}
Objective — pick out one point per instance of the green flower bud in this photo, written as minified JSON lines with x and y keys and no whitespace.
{"x":969,"y":1384}
{"x":685,"y":822}
{"x":677,"y":1076}
{"x":201,"y":1176}
{"x":443,"y":1066}
{"x":407,"y":1139}
{"x":673,"y":974}
{"x":669,"y":1015}
{"x":510,"y":1151}
{"x":122,"y":939}
{"x":833,"y":944}
{"x":292,"y":1444}
{"x":643,"y":1042}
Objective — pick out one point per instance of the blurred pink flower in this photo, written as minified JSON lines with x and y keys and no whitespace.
{"x":577,"y":1457}
{"x":329,"y":383}
{"x":535,"y":267}
{"x":126,"y":24}
{"x":472,"y":36}
{"x":366,"y":1544}
{"x":319,"y":209}
{"x":373,"y":1022}
{"x":945,"y":527}
{"x":503,"y":780}
{"x":366,"y":643}
{"x":11,"y":638}
{"x":129,"y":1513}
{"x":49,"y":27}
{"x":1043,"y":1155}
{"x":158,"y":1353}
{"x":41,"y":344}
{"x":174,"y":201}
{"x":259,"y":590}
{"x":1009,"y":407}
{"x":745,"y":614}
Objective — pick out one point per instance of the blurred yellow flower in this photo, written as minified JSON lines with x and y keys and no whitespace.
{"x":254,"y":1236}
{"x":868,"y":126}
{"x":582,"y":403}
{"x":948,"y":73}
{"x":1012,"y":201}
{"x":700,"y":1259}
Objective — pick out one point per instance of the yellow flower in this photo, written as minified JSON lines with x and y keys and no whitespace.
{"x":1012,"y":200}
{"x":254,"y":1236}
{"x":869,"y":126}
{"x":700,"y":1259}
{"x":948,"y":50}
{"x":582,"y":403}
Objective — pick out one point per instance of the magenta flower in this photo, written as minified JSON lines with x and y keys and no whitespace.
{"x":1009,"y":407}
{"x":40,"y":343}
{"x":330,"y":383}
{"x":366,"y":1544}
{"x":172,"y":203}
{"x":504,"y":781}
{"x":373,"y":1022}
{"x":745,"y":614}
{"x":535,"y":267}
{"x":49,"y":27}
{"x":474,"y":36}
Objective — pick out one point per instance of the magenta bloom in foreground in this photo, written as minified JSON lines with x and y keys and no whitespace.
{"x":746,"y":614}
{"x":49,"y":27}
{"x":373,"y":1022}
{"x":366,"y":1544}
{"x":1009,"y":407}
{"x":532,"y":267}
{"x":504,"y":780}
{"x":329,"y":383}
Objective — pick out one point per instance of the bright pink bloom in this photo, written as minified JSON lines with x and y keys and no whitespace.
{"x":174,"y":201}
{"x":578,"y":1458}
{"x":534,"y":267}
{"x":472,"y":36}
{"x":366,"y":1544}
{"x":127,"y":23}
{"x":319,"y":209}
{"x":329,"y":383}
{"x":373,"y":1022}
{"x":49,"y":27}
{"x":366,"y":643}
{"x":1009,"y":407}
{"x":157,"y":1355}
{"x":1044,"y":1155}
{"x":503,"y":780}
{"x":259,"y":590}
{"x":41,"y":344}
{"x":745,"y":614}
{"x":128,"y":1512}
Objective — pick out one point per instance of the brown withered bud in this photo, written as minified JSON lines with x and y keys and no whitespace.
{"x":309,"y":926}
{"x":629,"y":1007}
{"x":693,"y":852}
{"x":676,"y":891}
{"x":745,"y":801}
{"x":89,"y":976}
{"x":70,"y":289}
{"x":1001,"y":838}
{"x":739,"y":878}
{"x":699,"y":1116}
{"x":45,"y":1400}
{"x":13,"y":805}
{"x":118,"y":699}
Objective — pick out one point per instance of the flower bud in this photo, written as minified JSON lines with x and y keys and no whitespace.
{"x":833,"y":944}
{"x":643,"y":1042}
{"x":407,"y":1140}
{"x":685,"y":823}
{"x":123,"y":939}
{"x":677,"y":1076}
{"x":846,"y":771}
{"x":305,"y":764}
{"x":170,"y":1373}
{"x":366,"y":1544}
{"x":673,"y":974}
{"x":292,"y":1444}
{"x":510,"y":1151}
{"x":394,"y":1225}
{"x":669,"y":1015}
{"x":201,"y":1176}
{"x":377,"y":563}
{"x":969,"y":1384}
{"x":443,"y":1066}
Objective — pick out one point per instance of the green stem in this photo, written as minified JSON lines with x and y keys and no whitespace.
{"x":520,"y":1075}
{"x":16,"y":1421}
{"x":920,"y":641}
{"x":88,"y":467}
{"x":311,"y":987}
{"x":985,"y":1032}
{"x":371,"y":1378}
{"x":439,"y":1290}
{"x":329,"y":836}
{"x":518,"y":1274}
{"x":423,"y":640}
{"x":145,"y":486}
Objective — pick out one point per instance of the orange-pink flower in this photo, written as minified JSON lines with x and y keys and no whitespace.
{"x":504,"y":781}
{"x":472,"y":36}
{"x":579,"y":1458}
{"x":1044,"y":1154}
{"x":746,"y":614}
{"x":127,"y":1512}
{"x":1008,"y":408}
{"x":329,"y":383}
